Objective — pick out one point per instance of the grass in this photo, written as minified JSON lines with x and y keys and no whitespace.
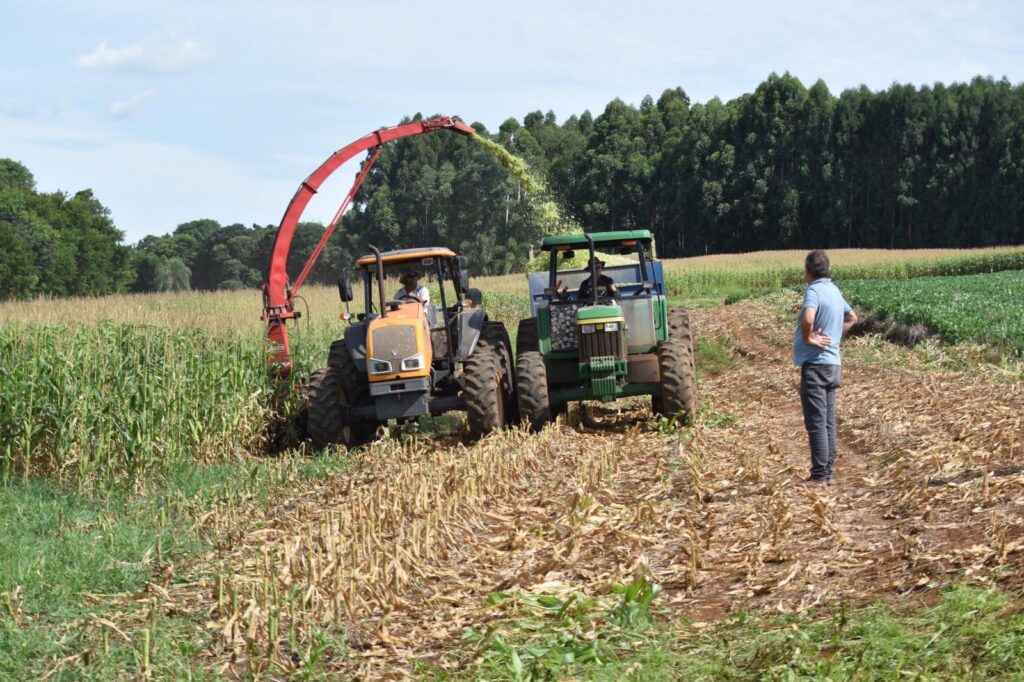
{"x":984,"y":308}
{"x":70,"y":556}
{"x":969,"y":633}
{"x":713,"y":355}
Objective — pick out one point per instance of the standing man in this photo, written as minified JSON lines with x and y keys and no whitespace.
{"x":824,"y":317}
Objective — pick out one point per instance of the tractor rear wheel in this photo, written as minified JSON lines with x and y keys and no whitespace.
{"x":497,"y":336}
{"x":331,"y":391}
{"x":678,"y":374}
{"x":488,"y":391}
{"x":531,"y":377}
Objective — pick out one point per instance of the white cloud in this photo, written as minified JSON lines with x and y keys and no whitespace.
{"x":130,"y":106}
{"x":165,"y":52}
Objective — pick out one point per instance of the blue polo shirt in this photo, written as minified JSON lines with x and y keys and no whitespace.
{"x":824,"y":297}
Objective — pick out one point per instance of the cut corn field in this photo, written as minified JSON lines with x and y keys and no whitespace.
{"x":397,"y":556}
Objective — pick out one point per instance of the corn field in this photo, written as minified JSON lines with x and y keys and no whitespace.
{"x":116,"y":400}
{"x":117,"y":388}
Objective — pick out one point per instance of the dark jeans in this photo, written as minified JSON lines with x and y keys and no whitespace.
{"x":818,"y":384}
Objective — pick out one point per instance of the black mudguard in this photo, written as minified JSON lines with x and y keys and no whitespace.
{"x":470,"y":325}
{"x":355,"y":339}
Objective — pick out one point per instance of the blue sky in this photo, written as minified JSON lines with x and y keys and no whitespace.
{"x":174,"y":111}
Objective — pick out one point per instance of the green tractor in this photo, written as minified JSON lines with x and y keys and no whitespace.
{"x":603,"y":342}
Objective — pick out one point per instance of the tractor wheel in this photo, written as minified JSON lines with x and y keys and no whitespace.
{"x":495,"y":334}
{"x":679,"y":327}
{"x":531,"y":377}
{"x":331,"y":390}
{"x":678,"y":376}
{"x":483,"y":392}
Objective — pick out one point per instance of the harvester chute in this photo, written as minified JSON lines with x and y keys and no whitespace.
{"x":278,"y":292}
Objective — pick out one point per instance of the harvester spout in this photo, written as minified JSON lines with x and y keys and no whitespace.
{"x":278,"y":289}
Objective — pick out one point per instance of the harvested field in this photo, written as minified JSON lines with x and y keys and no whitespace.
{"x":401,"y":553}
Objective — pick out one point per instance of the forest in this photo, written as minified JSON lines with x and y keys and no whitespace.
{"x":785,"y":166}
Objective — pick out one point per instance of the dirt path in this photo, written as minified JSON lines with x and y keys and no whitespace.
{"x":402,"y":553}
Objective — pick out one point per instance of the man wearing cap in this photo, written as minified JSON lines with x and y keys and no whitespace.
{"x":411,"y":289}
{"x":586,"y":286}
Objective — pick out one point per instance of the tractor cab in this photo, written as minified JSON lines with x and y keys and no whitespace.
{"x":561,"y":295}
{"x":388,"y":303}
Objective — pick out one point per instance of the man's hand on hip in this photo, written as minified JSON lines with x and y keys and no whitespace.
{"x":819,"y":340}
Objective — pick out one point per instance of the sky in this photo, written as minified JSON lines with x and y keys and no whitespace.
{"x":178,"y":110}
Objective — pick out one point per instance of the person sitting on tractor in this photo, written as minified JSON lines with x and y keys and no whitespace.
{"x":602,"y":281}
{"x":411,"y":289}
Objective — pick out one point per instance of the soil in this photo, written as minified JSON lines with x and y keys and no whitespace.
{"x":927,"y":493}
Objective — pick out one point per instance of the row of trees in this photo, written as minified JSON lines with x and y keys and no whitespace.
{"x":783,"y":167}
{"x":56,"y":244}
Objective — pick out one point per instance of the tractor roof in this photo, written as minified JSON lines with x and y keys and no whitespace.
{"x":612,"y":238}
{"x":403,"y":255}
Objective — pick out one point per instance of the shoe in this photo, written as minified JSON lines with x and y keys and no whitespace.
{"x":814,"y":482}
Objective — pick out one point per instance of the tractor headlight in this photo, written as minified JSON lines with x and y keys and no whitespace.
{"x":412,"y":362}
{"x":611,"y":326}
{"x":380,"y":367}
{"x":587,"y":329}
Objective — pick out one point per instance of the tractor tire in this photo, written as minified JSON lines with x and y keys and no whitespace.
{"x":331,"y":390}
{"x":531,"y":378}
{"x":527,"y":336}
{"x":678,"y":374}
{"x":497,"y":336}
{"x":483,"y":392}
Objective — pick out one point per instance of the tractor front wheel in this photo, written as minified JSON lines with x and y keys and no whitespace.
{"x":331,"y":391}
{"x":678,"y":374}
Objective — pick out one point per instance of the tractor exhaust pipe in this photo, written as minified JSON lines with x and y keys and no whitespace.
{"x":380,"y":279}
{"x":593,"y":269}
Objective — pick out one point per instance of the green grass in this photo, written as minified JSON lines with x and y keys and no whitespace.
{"x":969,"y":634}
{"x":713,"y":355}
{"x":986,"y":308}
{"x":66,"y":552}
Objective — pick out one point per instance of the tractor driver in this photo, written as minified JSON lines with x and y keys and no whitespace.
{"x":411,"y":289}
{"x":602,"y":281}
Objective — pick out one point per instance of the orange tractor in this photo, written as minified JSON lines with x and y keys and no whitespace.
{"x":401,"y":357}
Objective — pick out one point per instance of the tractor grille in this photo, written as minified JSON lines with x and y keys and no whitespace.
{"x":601,"y":344}
{"x":394,"y":343}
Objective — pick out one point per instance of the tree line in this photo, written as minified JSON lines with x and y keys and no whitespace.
{"x":785,"y":166}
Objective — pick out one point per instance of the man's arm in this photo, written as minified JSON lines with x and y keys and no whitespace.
{"x":812,"y":336}
{"x":849,"y":319}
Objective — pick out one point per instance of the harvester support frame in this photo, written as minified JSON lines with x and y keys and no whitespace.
{"x":278,"y":293}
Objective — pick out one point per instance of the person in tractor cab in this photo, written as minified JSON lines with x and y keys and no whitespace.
{"x":411,"y":289}
{"x":602,"y":281}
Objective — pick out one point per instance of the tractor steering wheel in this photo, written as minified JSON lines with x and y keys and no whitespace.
{"x":414,"y":297}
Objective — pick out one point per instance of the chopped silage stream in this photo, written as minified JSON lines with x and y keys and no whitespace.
{"x":401,"y":553}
